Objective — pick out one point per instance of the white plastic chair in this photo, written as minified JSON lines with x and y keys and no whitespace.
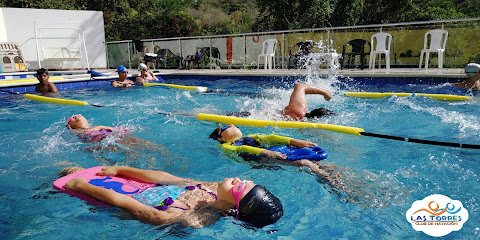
{"x":268,"y":53}
{"x":381,"y":46}
{"x":436,"y":45}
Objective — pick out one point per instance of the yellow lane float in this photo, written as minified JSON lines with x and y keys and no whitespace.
{"x":201,"y":89}
{"x":282,"y":124}
{"x":375,"y":94}
{"x":28,"y":80}
{"x":446,"y":97}
{"x":54,"y":100}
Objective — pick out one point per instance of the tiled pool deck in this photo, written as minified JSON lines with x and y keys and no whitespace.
{"x":25,"y":82}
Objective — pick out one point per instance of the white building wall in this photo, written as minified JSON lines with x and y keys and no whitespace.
{"x":18,"y":25}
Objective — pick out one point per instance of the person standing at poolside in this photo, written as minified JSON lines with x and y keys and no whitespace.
{"x":473,"y":72}
{"x":122,"y":80}
{"x":145,"y":75}
{"x":297,"y":108}
{"x":44,"y":86}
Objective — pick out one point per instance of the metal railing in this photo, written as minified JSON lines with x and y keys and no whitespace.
{"x":241,"y":50}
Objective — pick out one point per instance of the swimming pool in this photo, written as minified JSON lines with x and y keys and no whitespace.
{"x":386,"y":176}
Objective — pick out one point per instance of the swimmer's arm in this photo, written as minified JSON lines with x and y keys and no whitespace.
{"x":52,"y":87}
{"x":301,"y":143}
{"x":100,"y":127}
{"x":126,"y":84}
{"x":243,"y":148}
{"x":150,"y":176}
{"x":130,"y":83}
{"x":254,"y":150}
{"x":280,"y":140}
{"x":459,"y":84}
{"x":139,"y":79}
{"x":326,"y":94}
{"x":153,"y":75}
{"x":271,"y":139}
{"x":95,"y":128}
{"x":115,"y":84}
{"x":141,"y":211}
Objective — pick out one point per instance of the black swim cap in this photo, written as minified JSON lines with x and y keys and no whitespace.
{"x":319,"y":112}
{"x":260,"y":207}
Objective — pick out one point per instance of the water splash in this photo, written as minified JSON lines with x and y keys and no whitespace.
{"x":55,"y":139}
{"x":465,"y":123}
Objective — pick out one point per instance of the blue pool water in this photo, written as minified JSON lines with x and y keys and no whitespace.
{"x":384,"y":176}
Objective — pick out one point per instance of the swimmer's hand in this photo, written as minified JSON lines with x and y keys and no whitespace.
{"x":272,"y":154}
{"x":75,"y":183}
{"x":108,"y":171}
{"x":301,"y":143}
{"x":327,"y":95}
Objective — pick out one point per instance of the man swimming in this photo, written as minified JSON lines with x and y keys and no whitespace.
{"x":297,"y":108}
{"x":472,"y":70}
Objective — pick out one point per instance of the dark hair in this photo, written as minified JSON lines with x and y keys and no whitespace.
{"x":41,"y":71}
{"x":260,"y":207}
{"x":319,"y":112}
{"x":214,"y":135}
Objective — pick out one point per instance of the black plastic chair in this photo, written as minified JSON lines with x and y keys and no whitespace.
{"x":167,"y":59}
{"x":202,"y":57}
{"x":358,"y":49}
{"x":302,"y":49}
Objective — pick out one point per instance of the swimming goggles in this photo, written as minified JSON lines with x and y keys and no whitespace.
{"x":224,"y":128}
{"x":124,"y":72}
{"x":237,"y":192}
{"x":72,"y":117}
{"x":143,"y":70}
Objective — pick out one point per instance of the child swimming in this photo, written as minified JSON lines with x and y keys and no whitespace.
{"x":133,"y":147}
{"x":253,"y":148}
{"x":192,"y":203}
{"x":342,"y":182}
{"x":78,"y":124}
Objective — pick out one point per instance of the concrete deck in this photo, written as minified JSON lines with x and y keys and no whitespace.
{"x":393,"y":72}
{"x":8,"y":80}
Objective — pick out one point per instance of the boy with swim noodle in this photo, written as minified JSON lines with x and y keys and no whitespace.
{"x":472,"y":70}
{"x":191,"y":203}
{"x":44,"y":86}
{"x":252,"y":148}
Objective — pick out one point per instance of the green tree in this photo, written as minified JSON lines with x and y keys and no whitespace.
{"x":287,"y":14}
{"x":222,"y":16}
